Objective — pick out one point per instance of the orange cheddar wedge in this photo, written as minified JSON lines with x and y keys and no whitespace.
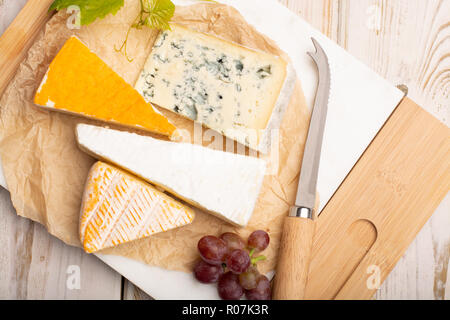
{"x":118,"y":207}
{"x":79,"y":82}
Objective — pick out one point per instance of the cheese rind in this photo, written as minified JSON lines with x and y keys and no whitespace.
{"x":118,"y":207}
{"x":222,"y":183}
{"x":237,"y":91}
{"x":79,"y":82}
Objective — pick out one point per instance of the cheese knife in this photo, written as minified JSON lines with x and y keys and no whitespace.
{"x":299,"y":227}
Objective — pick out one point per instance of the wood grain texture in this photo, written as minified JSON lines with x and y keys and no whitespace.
{"x":296,"y":244}
{"x":131,"y":292}
{"x":35,"y":265}
{"x":8,"y":11}
{"x":19,"y":37}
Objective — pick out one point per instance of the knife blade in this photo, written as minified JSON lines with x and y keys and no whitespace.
{"x":306,"y":192}
{"x":299,"y":226}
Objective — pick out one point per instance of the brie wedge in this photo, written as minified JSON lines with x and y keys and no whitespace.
{"x":224,"y":184}
{"x":118,"y":207}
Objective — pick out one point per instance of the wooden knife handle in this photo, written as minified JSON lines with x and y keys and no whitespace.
{"x":294,"y":258}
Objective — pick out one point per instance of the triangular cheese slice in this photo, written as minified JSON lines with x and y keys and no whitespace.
{"x":222,"y":183}
{"x":79,"y":82}
{"x":118,"y":207}
{"x":240,"y":92}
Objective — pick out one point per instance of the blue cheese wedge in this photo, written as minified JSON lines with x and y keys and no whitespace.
{"x":224,"y":184}
{"x":237,"y":91}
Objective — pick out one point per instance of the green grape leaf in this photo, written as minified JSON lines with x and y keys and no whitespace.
{"x":90,"y":10}
{"x":158,"y":13}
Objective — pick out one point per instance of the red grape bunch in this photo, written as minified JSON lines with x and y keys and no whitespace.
{"x":230,"y":263}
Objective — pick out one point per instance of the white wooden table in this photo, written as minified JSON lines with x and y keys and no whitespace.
{"x":406,"y":41}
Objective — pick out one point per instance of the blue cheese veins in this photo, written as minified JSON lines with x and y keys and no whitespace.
{"x":226,"y":87}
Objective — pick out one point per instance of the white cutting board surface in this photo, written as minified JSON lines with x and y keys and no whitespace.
{"x":360,"y":103}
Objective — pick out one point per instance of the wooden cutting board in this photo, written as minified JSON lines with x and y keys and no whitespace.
{"x":381,"y":206}
{"x":19,"y":37}
{"x":377,"y":211}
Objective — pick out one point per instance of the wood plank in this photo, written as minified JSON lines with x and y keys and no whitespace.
{"x":19,"y":36}
{"x":8,"y":11}
{"x":35,"y":265}
{"x":131,"y":292}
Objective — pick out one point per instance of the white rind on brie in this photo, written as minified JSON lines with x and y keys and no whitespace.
{"x":224,"y":184}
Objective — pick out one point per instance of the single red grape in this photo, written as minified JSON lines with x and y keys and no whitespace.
{"x":248,"y":279}
{"x":229,"y":287}
{"x":238,"y":261}
{"x":233,"y":240}
{"x":262,"y":290}
{"x":212,"y":250}
{"x":258,"y":240}
{"x":207,"y":273}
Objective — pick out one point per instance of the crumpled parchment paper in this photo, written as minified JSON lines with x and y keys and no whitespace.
{"x":46,"y":171}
